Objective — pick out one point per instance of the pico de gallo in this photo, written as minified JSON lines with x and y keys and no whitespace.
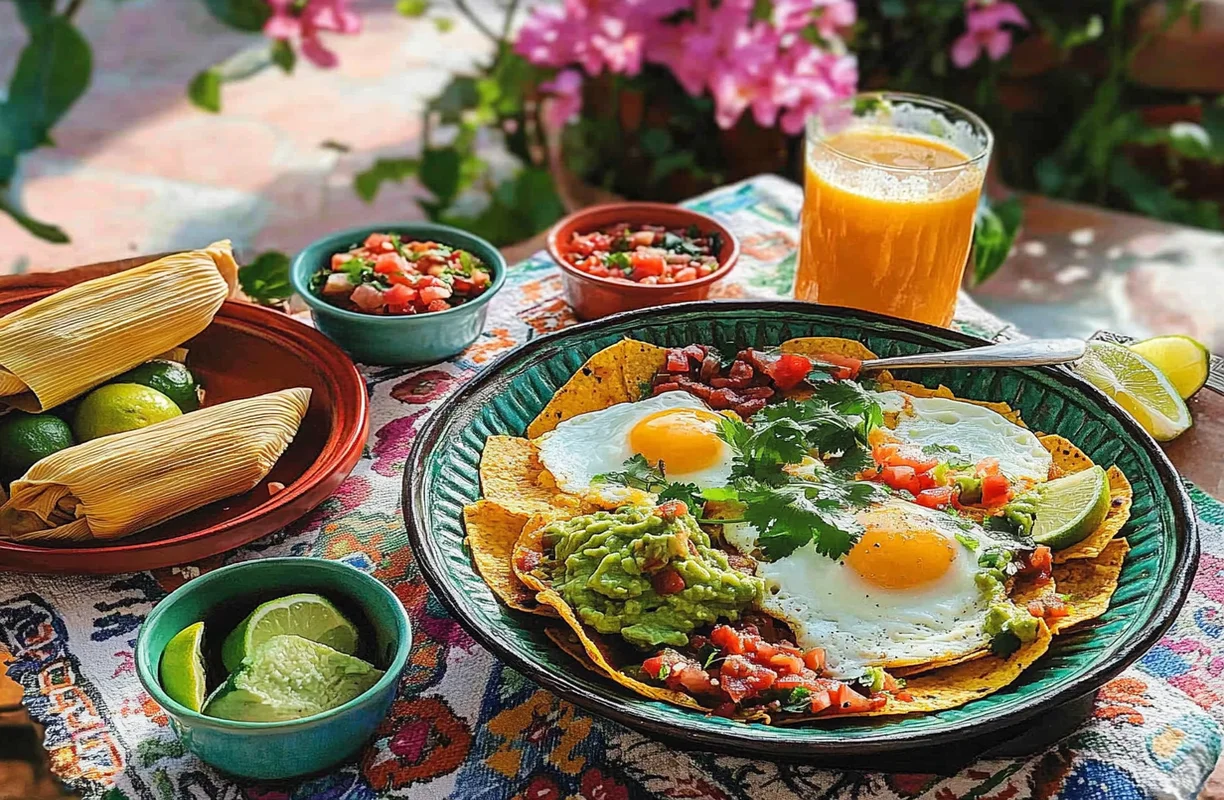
{"x":645,"y":254}
{"x":752,"y":668}
{"x":388,"y":276}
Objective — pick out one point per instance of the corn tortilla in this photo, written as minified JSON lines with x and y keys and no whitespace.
{"x":1090,"y":583}
{"x":510,"y":475}
{"x":491,"y":535}
{"x":611,"y":376}
{"x":1068,"y":459}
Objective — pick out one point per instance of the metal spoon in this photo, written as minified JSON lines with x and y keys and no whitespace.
{"x":1026,"y":353}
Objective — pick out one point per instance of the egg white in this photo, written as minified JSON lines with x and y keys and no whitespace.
{"x":597,"y":443}
{"x":976,"y":431}
{"x":858,"y":624}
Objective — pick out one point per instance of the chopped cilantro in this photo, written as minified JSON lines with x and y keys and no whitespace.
{"x":664,"y":671}
{"x":398,"y":244}
{"x":638,"y":473}
{"x":872,"y":679}
{"x":619,"y":260}
{"x":687,"y":493}
{"x":950,"y":454}
{"x":849,"y":397}
{"x":799,"y":700}
{"x":466,"y":262}
{"x":967,"y":541}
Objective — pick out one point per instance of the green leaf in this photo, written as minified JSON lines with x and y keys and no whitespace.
{"x":52,"y":73}
{"x":266,"y":279}
{"x":205,"y":90}
{"x":994,"y":232}
{"x":439,"y":173}
{"x":460,"y":95}
{"x":43,"y":230}
{"x":444,"y":24}
{"x":246,"y":15}
{"x":35,"y":12}
{"x":368,"y":182}
{"x":412,"y":8}
{"x":762,"y":10}
{"x":638,"y":473}
{"x":283,"y":56}
{"x":892,"y":9}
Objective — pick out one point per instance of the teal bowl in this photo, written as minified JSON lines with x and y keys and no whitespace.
{"x":406,"y":339}
{"x":276,"y":750}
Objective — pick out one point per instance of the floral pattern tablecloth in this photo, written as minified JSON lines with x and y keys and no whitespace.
{"x":466,"y":726}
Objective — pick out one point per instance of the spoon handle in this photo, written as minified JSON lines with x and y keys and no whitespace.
{"x":1026,"y":353}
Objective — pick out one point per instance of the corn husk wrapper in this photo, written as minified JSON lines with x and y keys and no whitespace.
{"x":117,"y":485}
{"x":66,"y":344}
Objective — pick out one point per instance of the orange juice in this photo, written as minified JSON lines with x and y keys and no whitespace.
{"x":887,"y":222}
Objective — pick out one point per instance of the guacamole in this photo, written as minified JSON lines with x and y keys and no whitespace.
{"x":1007,"y":618}
{"x":649,"y":577}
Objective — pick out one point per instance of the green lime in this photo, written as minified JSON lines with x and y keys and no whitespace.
{"x":119,"y":407}
{"x":27,"y":438}
{"x":1138,"y":386}
{"x":289,"y":677}
{"x":307,"y":615}
{"x":1070,"y":508}
{"x":182,"y":667}
{"x":168,"y":377}
{"x":1183,"y":360}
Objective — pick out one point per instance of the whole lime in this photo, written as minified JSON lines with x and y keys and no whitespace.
{"x":119,"y":407}
{"x":168,"y":377}
{"x":28,"y":438}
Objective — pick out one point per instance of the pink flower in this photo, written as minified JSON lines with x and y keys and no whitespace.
{"x":984,"y":31}
{"x":566,"y":100}
{"x":596,"y":34}
{"x":289,"y":21}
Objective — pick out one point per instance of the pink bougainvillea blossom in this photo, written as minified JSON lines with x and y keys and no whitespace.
{"x":566,"y":96}
{"x":984,"y":31}
{"x":773,"y":68}
{"x":290,"y":20}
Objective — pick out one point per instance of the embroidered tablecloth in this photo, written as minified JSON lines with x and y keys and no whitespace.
{"x":466,"y":726}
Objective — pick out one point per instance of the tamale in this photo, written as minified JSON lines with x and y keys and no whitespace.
{"x":67,"y":343}
{"x":117,"y":485}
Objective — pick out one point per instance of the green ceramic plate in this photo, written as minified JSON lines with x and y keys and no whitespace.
{"x":442,"y":477}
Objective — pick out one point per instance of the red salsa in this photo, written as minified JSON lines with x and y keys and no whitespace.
{"x":736,"y":670}
{"x":645,"y":254}
{"x":388,"y":276}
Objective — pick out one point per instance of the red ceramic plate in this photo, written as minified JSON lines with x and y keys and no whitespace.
{"x":246,"y":351}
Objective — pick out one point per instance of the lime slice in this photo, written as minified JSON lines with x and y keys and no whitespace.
{"x":1183,"y":360}
{"x":1070,"y":508}
{"x":182,"y":667}
{"x":1138,"y":386}
{"x":307,"y":615}
{"x":288,"y":677}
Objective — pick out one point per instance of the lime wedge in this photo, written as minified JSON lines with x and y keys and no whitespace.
{"x":307,"y":615}
{"x":182,"y":667}
{"x":1070,"y":508}
{"x":1138,"y":386}
{"x":288,"y":677}
{"x":1183,"y":360}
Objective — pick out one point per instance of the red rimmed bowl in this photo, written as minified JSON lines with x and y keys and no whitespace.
{"x":593,"y":297}
{"x":246,"y":351}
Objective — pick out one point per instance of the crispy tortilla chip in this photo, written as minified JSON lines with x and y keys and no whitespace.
{"x":603,"y":381}
{"x":1067,"y":457}
{"x":954,"y":686}
{"x":815,"y":345}
{"x":918,"y":669}
{"x":510,"y":471}
{"x":492,"y":532}
{"x":1090,"y":583}
{"x":576,"y":643}
{"x":918,"y":390}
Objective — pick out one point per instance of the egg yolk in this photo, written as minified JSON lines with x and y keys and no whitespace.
{"x":892,"y":555}
{"x":684,"y":439}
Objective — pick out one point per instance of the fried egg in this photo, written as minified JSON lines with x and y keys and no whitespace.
{"x":674,"y":428}
{"x":975,"y":431}
{"x":904,"y":594}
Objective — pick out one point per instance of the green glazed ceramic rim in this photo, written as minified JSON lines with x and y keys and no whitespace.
{"x":441,"y":476}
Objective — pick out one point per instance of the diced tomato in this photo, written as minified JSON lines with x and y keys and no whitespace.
{"x":786,"y":664}
{"x":995,"y":490}
{"x":431,"y":293}
{"x":820,"y":701}
{"x":940,"y":497}
{"x":1050,"y":607}
{"x":667,"y":581}
{"x":761,"y":679}
{"x":725,"y":638}
{"x":815,"y":660}
{"x":883,"y":453}
{"x":672,"y":509}
{"x":375,"y":242}
{"x":986,"y":467}
{"x":848,"y":701}
{"x":437,"y":305}
{"x":389,"y":263}
{"x":693,"y":679}
{"x":847,"y":367}
{"x":399,"y":295}
{"x":677,"y":361}
{"x":653,"y":666}
{"x":646,"y":265}
{"x":339,"y":260}
{"x":789,"y":370}
{"x":901,"y":478}
{"x":764,"y":650}
{"x":367,"y":298}
{"x":686,"y":274}
{"x":1040,"y":562}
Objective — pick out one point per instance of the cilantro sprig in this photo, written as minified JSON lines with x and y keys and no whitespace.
{"x":638,"y":473}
